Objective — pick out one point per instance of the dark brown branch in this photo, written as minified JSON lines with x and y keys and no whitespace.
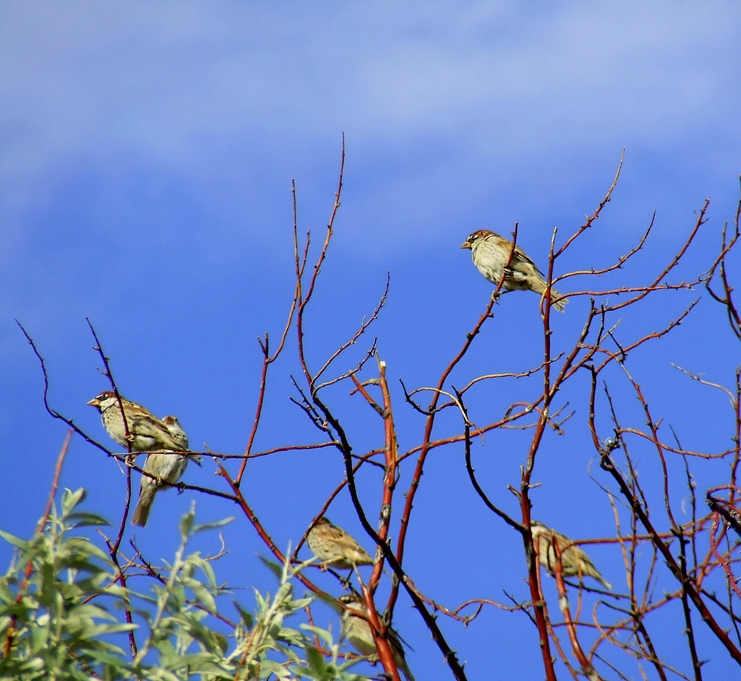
{"x":608,"y":465}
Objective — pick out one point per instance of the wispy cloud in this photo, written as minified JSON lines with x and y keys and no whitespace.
{"x":430,"y":95}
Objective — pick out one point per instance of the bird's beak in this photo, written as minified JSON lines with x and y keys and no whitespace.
{"x":95,"y":402}
{"x":465,"y":244}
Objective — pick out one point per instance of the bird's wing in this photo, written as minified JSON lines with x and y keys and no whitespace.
{"x":522,"y":257}
{"x":346,"y":543}
{"x":148,"y":425}
{"x":339,"y":536}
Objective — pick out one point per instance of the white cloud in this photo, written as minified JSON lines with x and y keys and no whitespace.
{"x":431,"y":95}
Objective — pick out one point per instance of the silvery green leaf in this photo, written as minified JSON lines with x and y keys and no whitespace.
{"x":70,"y":499}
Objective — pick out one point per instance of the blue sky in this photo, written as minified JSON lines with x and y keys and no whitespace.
{"x":147,"y":158}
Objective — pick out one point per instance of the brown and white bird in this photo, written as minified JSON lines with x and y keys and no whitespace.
{"x":177,"y":432}
{"x":333,"y":546}
{"x":490,"y":253}
{"x":574,"y":561}
{"x":165,"y":467}
{"x":146,"y":432}
{"x":357,"y":630}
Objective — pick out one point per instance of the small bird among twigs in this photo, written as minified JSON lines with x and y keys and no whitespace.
{"x":167,"y":469}
{"x":177,"y":432}
{"x":165,"y":440}
{"x":357,"y":630}
{"x":146,"y":432}
{"x":574,"y":561}
{"x":490,"y":253}
{"x":335,"y":547}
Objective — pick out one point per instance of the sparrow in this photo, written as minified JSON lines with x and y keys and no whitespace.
{"x":177,"y":432}
{"x":357,"y":630}
{"x":574,"y":561}
{"x":490,"y":252}
{"x":166,"y":467}
{"x":146,"y":432}
{"x":333,"y":546}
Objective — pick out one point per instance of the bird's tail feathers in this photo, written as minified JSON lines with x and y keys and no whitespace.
{"x":604,"y":582}
{"x":143,"y":508}
{"x":539,"y":286}
{"x":560,"y":305}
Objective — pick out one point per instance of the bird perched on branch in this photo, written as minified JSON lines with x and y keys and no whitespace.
{"x":177,"y":432}
{"x":490,"y":253}
{"x":167,"y":469}
{"x":574,"y":561}
{"x":357,"y":630}
{"x":147,"y":433}
{"x":333,"y":546}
